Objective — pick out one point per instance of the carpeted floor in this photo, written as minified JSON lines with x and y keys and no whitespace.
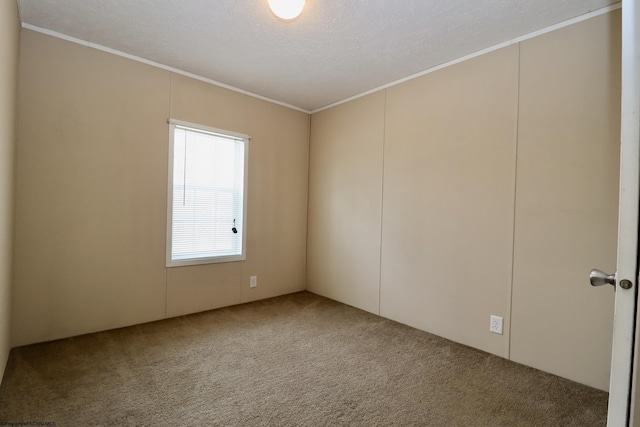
{"x":297,"y":360}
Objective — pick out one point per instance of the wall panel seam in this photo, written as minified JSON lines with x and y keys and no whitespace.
{"x":384,"y":139}
{"x":515,"y":197}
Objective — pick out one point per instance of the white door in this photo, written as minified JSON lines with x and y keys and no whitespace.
{"x":621,"y":410}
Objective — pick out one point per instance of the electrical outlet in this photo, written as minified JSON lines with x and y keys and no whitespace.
{"x":496,"y":324}
{"x":253,"y":282}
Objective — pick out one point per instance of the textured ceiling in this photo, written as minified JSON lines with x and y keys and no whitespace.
{"x":336,"y":49}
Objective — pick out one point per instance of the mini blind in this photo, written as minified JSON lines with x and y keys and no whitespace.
{"x":207,"y":195}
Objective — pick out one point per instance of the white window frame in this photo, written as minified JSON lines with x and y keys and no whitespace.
{"x":204,"y":260}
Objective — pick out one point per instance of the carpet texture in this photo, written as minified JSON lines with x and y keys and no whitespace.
{"x":296,"y":360}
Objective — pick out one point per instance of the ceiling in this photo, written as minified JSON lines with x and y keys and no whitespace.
{"x":335,"y":50}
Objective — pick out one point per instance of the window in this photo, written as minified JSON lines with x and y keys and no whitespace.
{"x":207,"y":195}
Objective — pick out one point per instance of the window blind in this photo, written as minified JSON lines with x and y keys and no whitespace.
{"x":207,"y":218}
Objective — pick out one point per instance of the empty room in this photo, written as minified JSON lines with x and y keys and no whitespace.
{"x":319,"y":213}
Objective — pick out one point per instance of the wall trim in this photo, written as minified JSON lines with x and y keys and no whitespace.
{"x":554,"y":27}
{"x":157,"y":65}
{"x":549,"y":29}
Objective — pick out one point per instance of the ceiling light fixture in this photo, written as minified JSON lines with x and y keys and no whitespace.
{"x":286,"y":9}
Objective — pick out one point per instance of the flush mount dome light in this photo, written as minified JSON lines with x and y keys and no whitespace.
{"x":286,"y":9}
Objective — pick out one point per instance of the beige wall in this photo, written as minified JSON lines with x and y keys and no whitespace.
{"x":449,"y":165}
{"x":491,"y":172}
{"x":278,"y":176}
{"x":345,"y":179}
{"x":91,"y":189}
{"x":9,"y":40}
{"x":567,"y":200}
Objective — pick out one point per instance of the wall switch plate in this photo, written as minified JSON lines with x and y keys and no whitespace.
{"x":496,"y":324}
{"x":253,"y":281}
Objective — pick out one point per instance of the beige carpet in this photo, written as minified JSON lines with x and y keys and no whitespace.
{"x":297,"y":360}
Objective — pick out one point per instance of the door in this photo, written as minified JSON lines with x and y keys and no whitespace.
{"x":621,"y":410}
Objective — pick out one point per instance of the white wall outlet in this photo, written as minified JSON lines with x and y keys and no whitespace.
{"x":496,"y":324}
{"x":253,"y":282}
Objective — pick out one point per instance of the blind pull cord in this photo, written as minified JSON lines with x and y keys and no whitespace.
{"x":184,"y":178}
